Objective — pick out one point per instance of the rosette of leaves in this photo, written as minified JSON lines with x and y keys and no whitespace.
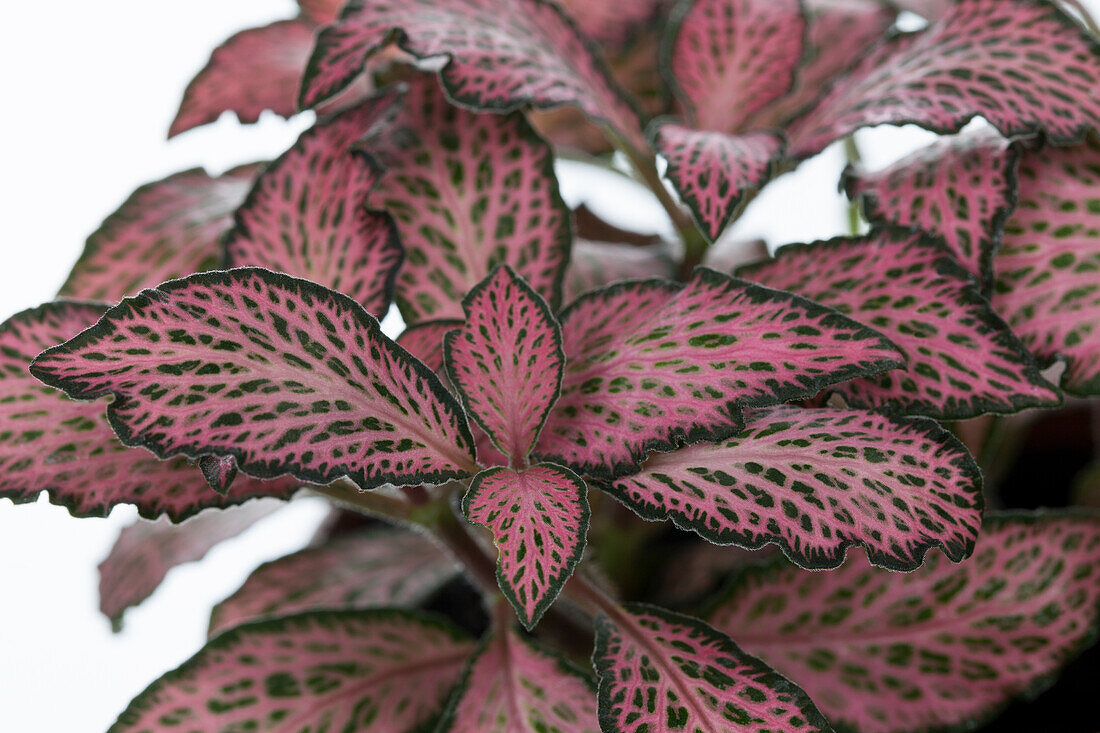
{"x":549,"y":397}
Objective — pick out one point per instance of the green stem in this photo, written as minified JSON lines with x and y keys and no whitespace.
{"x":854,"y":157}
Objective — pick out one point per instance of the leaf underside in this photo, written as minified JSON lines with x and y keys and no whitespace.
{"x":963,"y":360}
{"x":611,"y":22}
{"x":942,"y":648}
{"x":376,"y":567}
{"x":1046,"y":268}
{"x":67,"y":449}
{"x":594,"y":265}
{"x":282,"y":374}
{"x":166,"y":229}
{"x":380,"y":669}
{"x":978,"y":58}
{"x":306,"y":216}
{"x":650,"y":363}
{"x":662,"y":671}
{"x":539,"y":522}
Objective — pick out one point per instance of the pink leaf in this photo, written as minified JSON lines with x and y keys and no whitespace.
{"x":219,"y":471}
{"x":501,"y":55}
{"x":662,"y":671}
{"x":943,"y":647}
{"x":255,"y":70}
{"x":424,"y":340}
{"x":610,"y":21}
{"x":282,"y":374}
{"x":1046,"y":268}
{"x":539,"y":521}
{"x":593,"y":265}
{"x":506,"y":361}
{"x":730,"y":58}
{"x":378,"y":567}
{"x":651,"y":363}
{"x":468,"y":192}
{"x":979,"y":58}
{"x":513,"y":684}
{"x":816,"y":481}
{"x":959,"y":189}
{"x":67,"y":448}
{"x":962,"y":359}
{"x":321,"y":11}
{"x":165,"y":230}
{"x":713,"y":171}
{"x":306,"y":215}
{"x":385,"y":670}
{"x":145,"y":551}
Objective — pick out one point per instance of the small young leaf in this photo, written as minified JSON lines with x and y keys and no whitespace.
{"x":662,"y":671}
{"x":424,"y":340}
{"x":979,"y":58}
{"x":539,"y":521}
{"x":306,"y":215}
{"x":963,"y":360}
{"x":282,"y":374}
{"x":512,"y":684}
{"x":67,"y":448}
{"x":944,"y":647}
{"x":816,"y":481}
{"x":385,"y":670}
{"x":506,"y":361}
{"x":145,"y":551}
{"x":712,"y":171}
{"x":960,"y":189}
{"x":468,"y":192}
{"x":255,"y":70}
{"x":594,"y":265}
{"x":651,"y":363}
{"x":377,"y":567}
{"x":165,"y":230}
{"x":1046,"y":268}
{"x":219,"y":471}
{"x":501,"y":55}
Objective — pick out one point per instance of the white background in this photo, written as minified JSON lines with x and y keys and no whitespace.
{"x":88,"y":91}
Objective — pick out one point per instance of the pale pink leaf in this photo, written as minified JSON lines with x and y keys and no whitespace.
{"x":506,"y":361}
{"x":539,"y":522}
{"x":816,"y":481}
{"x":166,"y":229}
{"x":661,"y":671}
{"x":307,"y":216}
{"x":943,"y":647}
{"x":651,"y":363}
{"x":594,"y":265}
{"x":613,"y":22}
{"x":376,"y":567}
{"x":1025,"y":66}
{"x":385,"y":670}
{"x":963,"y":360}
{"x":321,"y":11}
{"x":284,"y":375}
{"x":50,"y":443}
{"x":424,"y":340}
{"x":145,"y":551}
{"x":1048,"y":266}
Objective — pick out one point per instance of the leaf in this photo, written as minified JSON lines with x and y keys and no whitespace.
{"x":979,"y":58}
{"x":321,"y":11}
{"x":468,"y":192}
{"x":662,"y":671}
{"x":166,"y":229}
{"x":506,"y":361}
{"x":513,"y":684}
{"x":67,"y":449}
{"x":219,"y":471}
{"x":424,"y":340}
{"x":306,"y":215}
{"x":713,"y":172}
{"x":145,"y":551}
{"x":593,"y":265}
{"x":944,"y":647}
{"x":963,"y":360}
{"x":255,"y":70}
{"x":1046,"y":268}
{"x":378,"y":567}
{"x":651,"y":363}
{"x":815,"y":482}
{"x":501,"y":55}
{"x":282,"y":374}
{"x":959,"y":189}
{"x":611,"y":22}
{"x":382,"y":669}
{"x":539,"y":521}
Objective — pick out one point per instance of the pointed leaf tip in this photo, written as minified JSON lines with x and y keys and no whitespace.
{"x":219,"y":471}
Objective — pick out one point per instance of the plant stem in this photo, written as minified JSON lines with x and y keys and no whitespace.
{"x":451,"y":532}
{"x":854,"y":157}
